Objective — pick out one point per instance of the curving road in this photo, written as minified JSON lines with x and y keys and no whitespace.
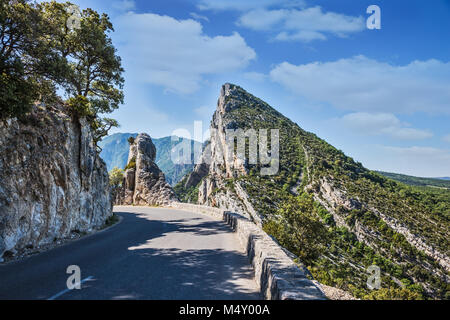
{"x":153,"y":253}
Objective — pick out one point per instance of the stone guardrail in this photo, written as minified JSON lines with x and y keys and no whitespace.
{"x":278,"y":277}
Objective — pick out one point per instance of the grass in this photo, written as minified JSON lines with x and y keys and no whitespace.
{"x":112,"y":220}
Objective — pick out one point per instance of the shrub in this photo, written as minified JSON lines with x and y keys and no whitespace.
{"x":116,"y":177}
{"x":131,"y":164}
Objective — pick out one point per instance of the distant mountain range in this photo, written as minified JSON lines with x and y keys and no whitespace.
{"x":416,"y":181}
{"x":115,"y":150}
{"x":115,"y":153}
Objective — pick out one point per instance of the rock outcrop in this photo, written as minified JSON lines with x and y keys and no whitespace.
{"x":220,"y":162}
{"x":52,"y":181}
{"x":144,"y":183}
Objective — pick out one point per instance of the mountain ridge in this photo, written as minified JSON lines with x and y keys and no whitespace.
{"x":366,"y":217}
{"x":417,"y":181}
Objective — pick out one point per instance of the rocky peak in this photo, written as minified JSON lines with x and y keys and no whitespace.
{"x":144,"y":147}
{"x":144,"y":183}
{"x":383,"y":217}
{"x":228,"y":92}
{"x":233,"y":97}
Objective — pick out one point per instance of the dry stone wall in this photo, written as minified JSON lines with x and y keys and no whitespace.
{"x":278,"y":277}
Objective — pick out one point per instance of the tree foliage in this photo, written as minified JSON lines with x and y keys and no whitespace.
{"x":297,"y":227}
{"x":25,"y":74}
{"x":95,"y":71}
{"x":40,"y":51}
{"x":116,"y":177}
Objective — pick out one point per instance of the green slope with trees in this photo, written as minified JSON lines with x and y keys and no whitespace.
{"x":417,"y":181}
{"x":337,"y":252}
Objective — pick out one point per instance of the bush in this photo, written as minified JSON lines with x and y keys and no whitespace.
{"x":297,"y":228}
{"x":131,"y":164}
{"x":116,"y":177}
{"x":80,"y":107}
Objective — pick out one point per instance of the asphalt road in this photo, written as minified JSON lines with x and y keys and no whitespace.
{"x":153,"y":253}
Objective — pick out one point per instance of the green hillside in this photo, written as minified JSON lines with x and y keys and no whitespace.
{"x":341,"y":233}
{"x":174,"y":173}
{"x":115,"y":149}
{"x":416,"y":181}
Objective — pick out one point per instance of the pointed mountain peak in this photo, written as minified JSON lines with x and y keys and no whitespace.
{"x":228,"y":89}
{"x":233,"y":97}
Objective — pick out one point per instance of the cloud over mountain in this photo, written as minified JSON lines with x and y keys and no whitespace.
{"x":176,"y":54}
{"x":382,"y":124}
{"x":303,"y":25}
{"x":363,"y":84}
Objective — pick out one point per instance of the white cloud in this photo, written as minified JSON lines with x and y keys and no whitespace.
{"x":244,"y":5}
{"x":303,"y":25}
{"x":137,"y":102}
{"x":304,"y":36}
{"x":176,"y":54}
{"x":262,"y":19}
{"x":382,"y":124}
{"x":363,"y":84}
{"x":415,"y":160}
{"x":446,"y":138}
{"x":124,"y":5}
{"x":197,"y":16}
{"x":421,"y":152}
{"x":255,"y":76}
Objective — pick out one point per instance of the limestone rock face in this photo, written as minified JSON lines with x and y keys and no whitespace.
{"x":200,"y":170}
{"x":52,"y":181}
{"x":144,"y":183}
{"x":219,"y":162}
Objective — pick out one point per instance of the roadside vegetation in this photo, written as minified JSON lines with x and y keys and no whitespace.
{"x":111,"y":221}
{"x":46,"y":48}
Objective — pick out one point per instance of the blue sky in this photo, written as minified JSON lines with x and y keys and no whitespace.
{"x":381,"y":96}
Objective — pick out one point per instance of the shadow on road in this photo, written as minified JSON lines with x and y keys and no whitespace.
{"x":144,"y":257}
{"x":182,"y":272}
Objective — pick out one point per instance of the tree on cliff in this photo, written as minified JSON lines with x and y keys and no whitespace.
{"x":297,"y":227}
{"x":55,"y":45}
{"x":29,"y":69}
{"x":95,"y":71}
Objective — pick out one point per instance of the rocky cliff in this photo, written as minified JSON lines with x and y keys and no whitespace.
{"x":115,"y":150}
{"x":368,"y":219}
{"x":52,"y":181}
{"x":144,"y":183}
